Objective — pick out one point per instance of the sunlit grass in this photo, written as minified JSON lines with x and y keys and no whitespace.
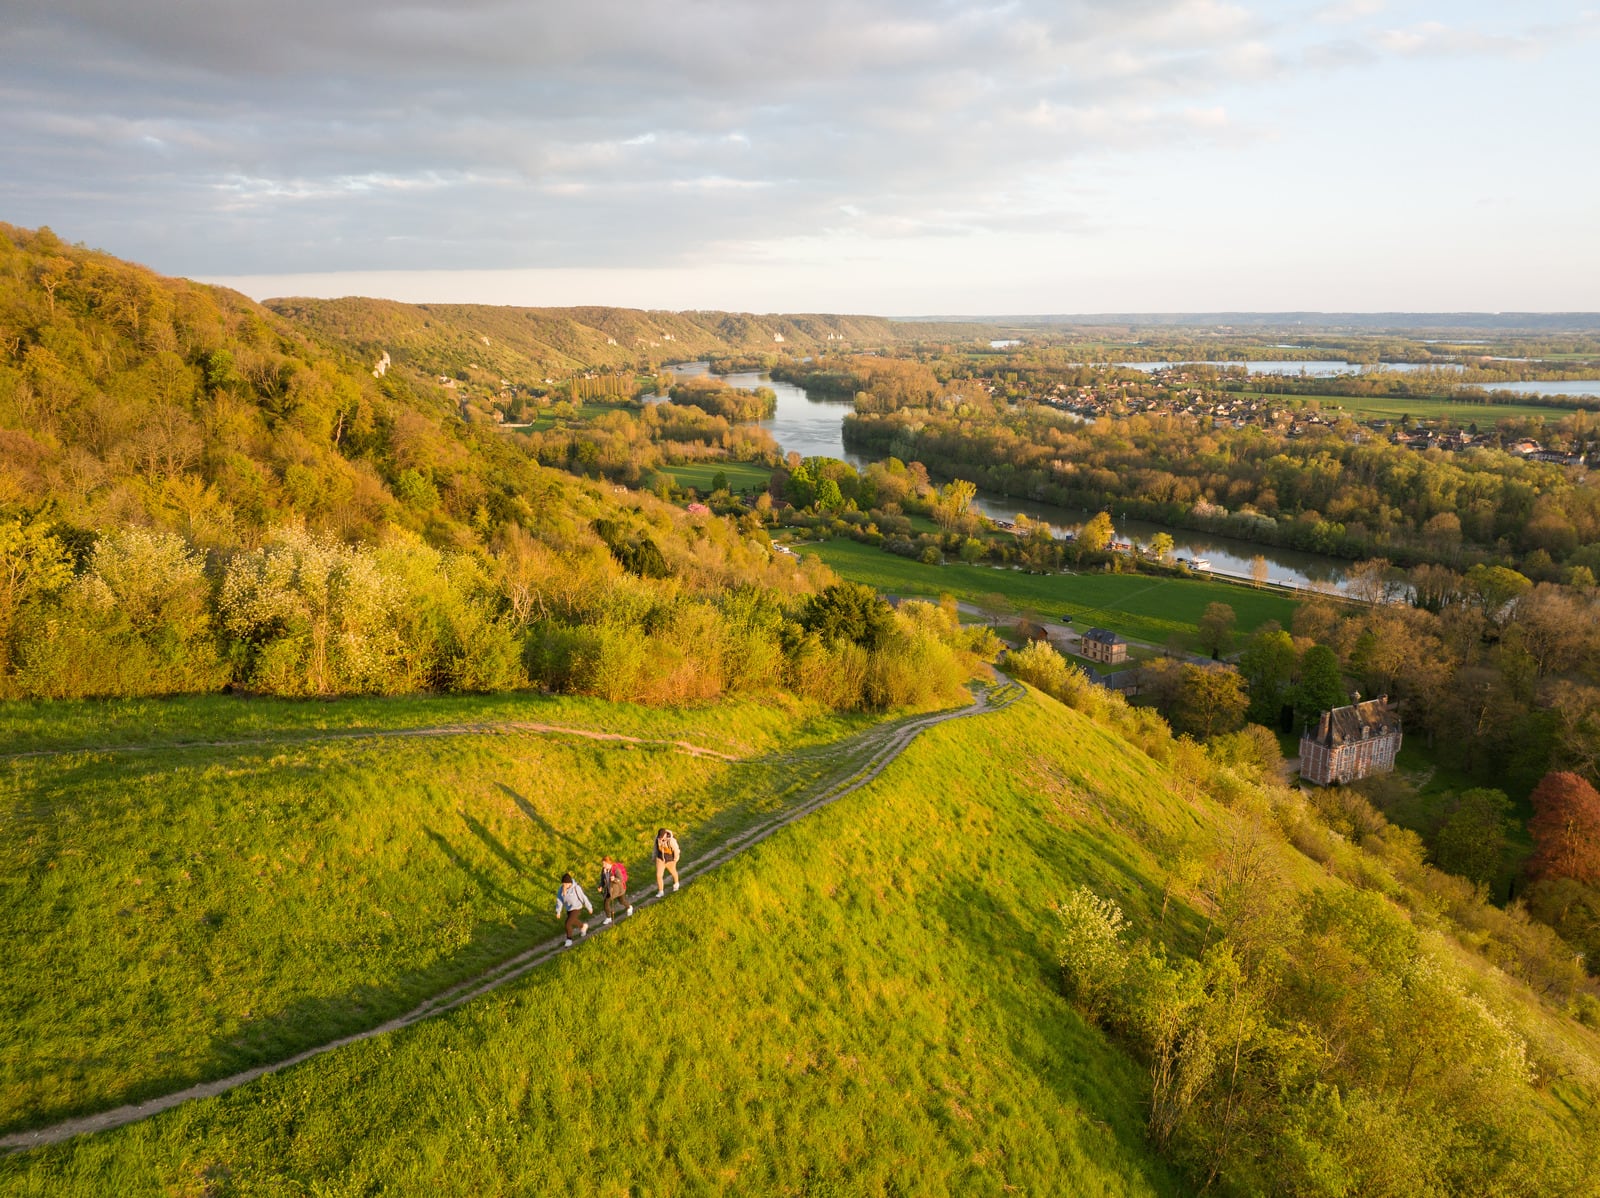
{"x":1139,"y":606}
{"x":864,"y":1004}
{"x":182,"y":913}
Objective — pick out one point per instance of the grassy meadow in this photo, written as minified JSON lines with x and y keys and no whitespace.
{"x":179,"y":909}
{"x":867,"y":1003}
{"x":1376,"y":407}
{"x":1135,"y":605}
{"x":742,"y":476}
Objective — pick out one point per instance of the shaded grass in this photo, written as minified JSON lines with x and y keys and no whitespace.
{"x":1139,"y":606}
{"x":179,"y":915}
{"x":865,"y":1004}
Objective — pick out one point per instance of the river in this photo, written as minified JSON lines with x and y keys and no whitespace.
{"x":814,"y":428}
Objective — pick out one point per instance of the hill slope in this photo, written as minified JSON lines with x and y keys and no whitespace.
{"x":870,"y":1002}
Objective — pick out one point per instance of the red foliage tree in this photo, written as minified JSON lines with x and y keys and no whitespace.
{"x":1565,"y":829}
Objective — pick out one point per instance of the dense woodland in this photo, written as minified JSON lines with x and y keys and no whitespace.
{"x":1325,"y":492}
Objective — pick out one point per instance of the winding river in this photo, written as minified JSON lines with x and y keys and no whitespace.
{"x":813,"y":427}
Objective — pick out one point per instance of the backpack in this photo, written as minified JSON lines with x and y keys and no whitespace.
{"x":665,"y":848}
{"x":619,"y":880}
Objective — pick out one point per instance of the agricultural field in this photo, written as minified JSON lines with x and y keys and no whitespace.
{"x":742,"y":476}
{"x":1138,"y":606}
{"x":1374,"y":407}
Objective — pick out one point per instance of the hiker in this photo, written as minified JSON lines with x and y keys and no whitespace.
{"x":666,"y":856}
{"x":570,"y":901}
{"x":614,"y":885}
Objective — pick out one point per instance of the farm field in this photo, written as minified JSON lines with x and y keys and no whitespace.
{"x":190,"y":909}
{"x":742,"y":476}
{"x":854,"y":1006}
{"x":1372,"y":407}
{"x":1135,"y":605}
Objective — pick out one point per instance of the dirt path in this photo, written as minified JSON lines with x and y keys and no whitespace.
{"x":485,"y":729}
{"x":881,"y":745}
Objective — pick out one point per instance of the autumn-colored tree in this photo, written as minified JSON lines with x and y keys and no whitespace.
{"x":1096,"y":533}
{"x":1211,"y":700}
{"x":1565,"y":829}
{"x":1216,"y":628}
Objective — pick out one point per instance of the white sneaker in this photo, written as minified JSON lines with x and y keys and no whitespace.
{"x":584,"y":930}
{"x":660,"y":894}
{"x":674,"y":888}
{"x":605,"y":921}
{"x":568,"y":944}
{"x":629,"y":911}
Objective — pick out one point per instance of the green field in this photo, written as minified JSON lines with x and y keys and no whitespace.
{"x":865,"y":1004}
{"x":742,"y":476}
{"x":1369,"y":407}
{"x":1136,"y":605}
{"x":209,"y":906}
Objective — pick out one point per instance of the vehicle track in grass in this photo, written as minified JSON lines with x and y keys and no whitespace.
{"x":864,"y":758}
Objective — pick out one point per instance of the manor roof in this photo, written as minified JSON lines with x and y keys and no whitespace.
{"x":1359,"y":721}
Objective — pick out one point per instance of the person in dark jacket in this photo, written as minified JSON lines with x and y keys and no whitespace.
{"x":571,"y":902}
{"x":614,"y":886}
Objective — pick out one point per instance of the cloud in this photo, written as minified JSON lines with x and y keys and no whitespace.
{"x":305,"y":135}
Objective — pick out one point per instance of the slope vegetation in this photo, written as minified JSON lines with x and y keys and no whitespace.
{"x":872,"y":1002}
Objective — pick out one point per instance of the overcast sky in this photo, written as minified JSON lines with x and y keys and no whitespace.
{"x":890,"y":156}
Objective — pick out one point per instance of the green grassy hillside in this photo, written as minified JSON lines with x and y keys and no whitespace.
{"x":319,"y":870}
{"x":870,"y":1001}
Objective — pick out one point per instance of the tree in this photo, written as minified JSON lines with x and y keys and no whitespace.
{"x":1258,"y":570}
{"x":1211,"y":700}
{"x":1368,"y":581}
{"x":1095,"y":535}
{"x":1267,"y":665}
{"x":1472,"y":840}
{"x":1565,"y":828}
{"x":1216,"y":628}
{"x":994,"y":606}
{"x":955,"y":498}
{"x":1161,"y":545}
{"x":848,"y":611}
{"x":1496,"y":588}
{"x":1321,"y":685}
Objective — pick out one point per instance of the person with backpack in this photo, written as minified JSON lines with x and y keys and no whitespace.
{"x":571,"y":901}
{"x":614,"y":885}
{"x":666,"y":858}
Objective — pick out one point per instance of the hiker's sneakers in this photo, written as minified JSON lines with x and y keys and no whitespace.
{"x":567,"y":944}
{"x":583,"y":931}
{"x":674,"y":888}
{"x":605,"y":921}
{"x":628,"y":912}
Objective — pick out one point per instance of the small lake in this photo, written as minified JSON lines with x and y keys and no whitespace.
{"x":1301,"y":368}
{"x":814,"y":428}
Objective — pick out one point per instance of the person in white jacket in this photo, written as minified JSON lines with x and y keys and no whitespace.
{"x":571,"y":902}
{"x":666,"y":856}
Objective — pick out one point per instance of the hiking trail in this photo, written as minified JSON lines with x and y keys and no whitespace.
{"x":880,"y":746}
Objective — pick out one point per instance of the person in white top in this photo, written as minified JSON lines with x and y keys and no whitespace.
{"x":666,"y":858}
{"x":571,"y":902}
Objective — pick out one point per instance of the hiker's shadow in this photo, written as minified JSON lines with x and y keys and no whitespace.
{"x":538,"y":821}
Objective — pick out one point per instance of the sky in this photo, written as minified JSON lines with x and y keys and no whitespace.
{"x":896,"y":157}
